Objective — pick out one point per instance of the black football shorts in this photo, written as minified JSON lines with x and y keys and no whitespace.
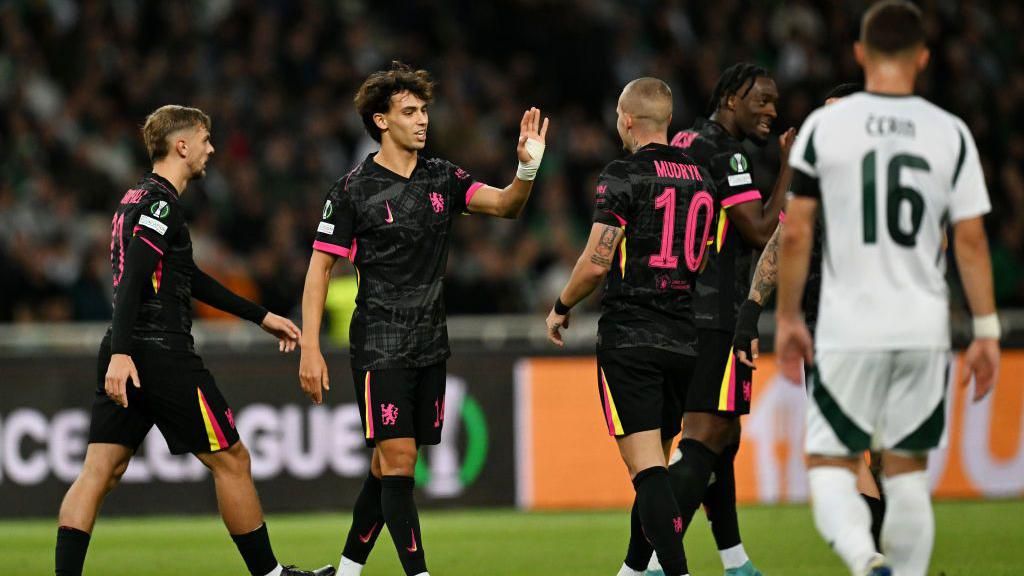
{"x":642,"y":389}
{"x":178,"y":394}
{"x":401,"y":403}
{"x":721,"y":384}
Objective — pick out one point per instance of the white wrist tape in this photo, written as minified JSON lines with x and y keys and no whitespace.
{"x":987,"y":327}
{"x":527,"y":171}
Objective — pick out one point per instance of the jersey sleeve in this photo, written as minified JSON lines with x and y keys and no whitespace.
{"x":738,"y":185}
{"x":462,"y":187}
{"x":158,"y":222}
{"x":335,"y":234}
{"x":611,"y":200}
{"x":970,"y":194}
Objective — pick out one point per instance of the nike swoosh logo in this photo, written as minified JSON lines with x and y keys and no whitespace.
{"x":365,"y":539}
{"x":412,"y":548}
{"x":390,"y":218}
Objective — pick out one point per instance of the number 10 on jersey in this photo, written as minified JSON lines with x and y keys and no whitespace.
{"x":693,"y":250}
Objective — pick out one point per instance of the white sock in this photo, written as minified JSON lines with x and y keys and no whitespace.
{"x":734,"y":557}
{"x":276,"y":571}
{"x":347,"y":567}
{"x":908,"y":530}
{"x":842,"y":517}
{"x":627,"y":571}
{"x":654,"y":565}
{"x":423,"y":574}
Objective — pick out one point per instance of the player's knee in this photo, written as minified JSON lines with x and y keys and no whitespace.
{"x":375,"y":466}
{"x":714,"y":431}
{"x":119,"y":469}
{"x":105,"y":474}
{"x":239,"y":460}
{"x":398,"y":461}
{"x":235,"y":461}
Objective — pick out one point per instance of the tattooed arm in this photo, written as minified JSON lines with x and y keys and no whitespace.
{"x":591,"y":268}
{"x":767,"y":272}
{"x":593,"y":264}
{"x":745,"y":337}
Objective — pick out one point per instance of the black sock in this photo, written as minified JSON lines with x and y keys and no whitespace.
{"x":720,"y":501}
{"x":72,"y":544}
{"x":638,"y":554}
{"x":256,"y":551}
{"x":689,"y":477}
{"x":367,"y":522}
{"x":403,"y":522}
{"x":877,"y":507}
{"x":659,"y":515}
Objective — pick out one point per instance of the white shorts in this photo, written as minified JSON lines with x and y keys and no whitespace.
{"x":873,"y":400}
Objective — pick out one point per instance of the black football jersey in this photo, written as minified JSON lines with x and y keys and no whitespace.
{"x":151,"y":211}
{"x":396,"y":231}
{"x":724,"y":284}
{"x":665,"y":203}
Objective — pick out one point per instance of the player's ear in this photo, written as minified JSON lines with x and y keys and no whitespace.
{"x":923,"y":56}
{"x":181,"y":147}
{"x":858,"y":53}
{"x":380,"y":121}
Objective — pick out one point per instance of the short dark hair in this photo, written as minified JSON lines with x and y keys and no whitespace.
{"x":374,"y":96}
{"x":892,"y":26}
{"x":844,"y":90}
{"x":733,"y":81}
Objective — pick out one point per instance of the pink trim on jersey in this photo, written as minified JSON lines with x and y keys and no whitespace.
{"x":331,"y":249}
{"x":352,"y":250}
{"x":622,"y":221}
{"x":782,"y":217}
{"x":151,"y":245}
{"x":748,"y":196}
{"x":472,"y":190}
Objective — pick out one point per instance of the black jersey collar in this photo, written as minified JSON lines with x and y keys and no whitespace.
{"x":652,"y":146}
{"x":163,"y":182}
{"x":372,"y":165}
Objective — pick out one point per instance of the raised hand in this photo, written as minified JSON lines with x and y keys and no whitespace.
{"x":531,"y":128}
{"x":786,"y":140}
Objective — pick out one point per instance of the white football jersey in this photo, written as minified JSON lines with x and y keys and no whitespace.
{"x":893,"y":172}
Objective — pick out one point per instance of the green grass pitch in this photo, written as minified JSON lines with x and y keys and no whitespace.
{"x":973,"y":539}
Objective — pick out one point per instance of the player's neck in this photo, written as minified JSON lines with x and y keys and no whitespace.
{"x":641,"y":140}
{"x":889,"y":78}
{"x":727,"y":121}
{"x":176,"y":176}
{"x":397,"y":159}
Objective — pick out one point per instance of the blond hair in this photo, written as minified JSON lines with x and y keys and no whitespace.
{"x":167,"y":120}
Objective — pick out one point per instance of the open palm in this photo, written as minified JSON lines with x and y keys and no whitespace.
{"x":531,"y":128}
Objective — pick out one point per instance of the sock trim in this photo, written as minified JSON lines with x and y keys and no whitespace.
{"x":648,"y":473}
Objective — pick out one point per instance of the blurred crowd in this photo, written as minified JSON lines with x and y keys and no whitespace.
{"x":77,"y":80}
